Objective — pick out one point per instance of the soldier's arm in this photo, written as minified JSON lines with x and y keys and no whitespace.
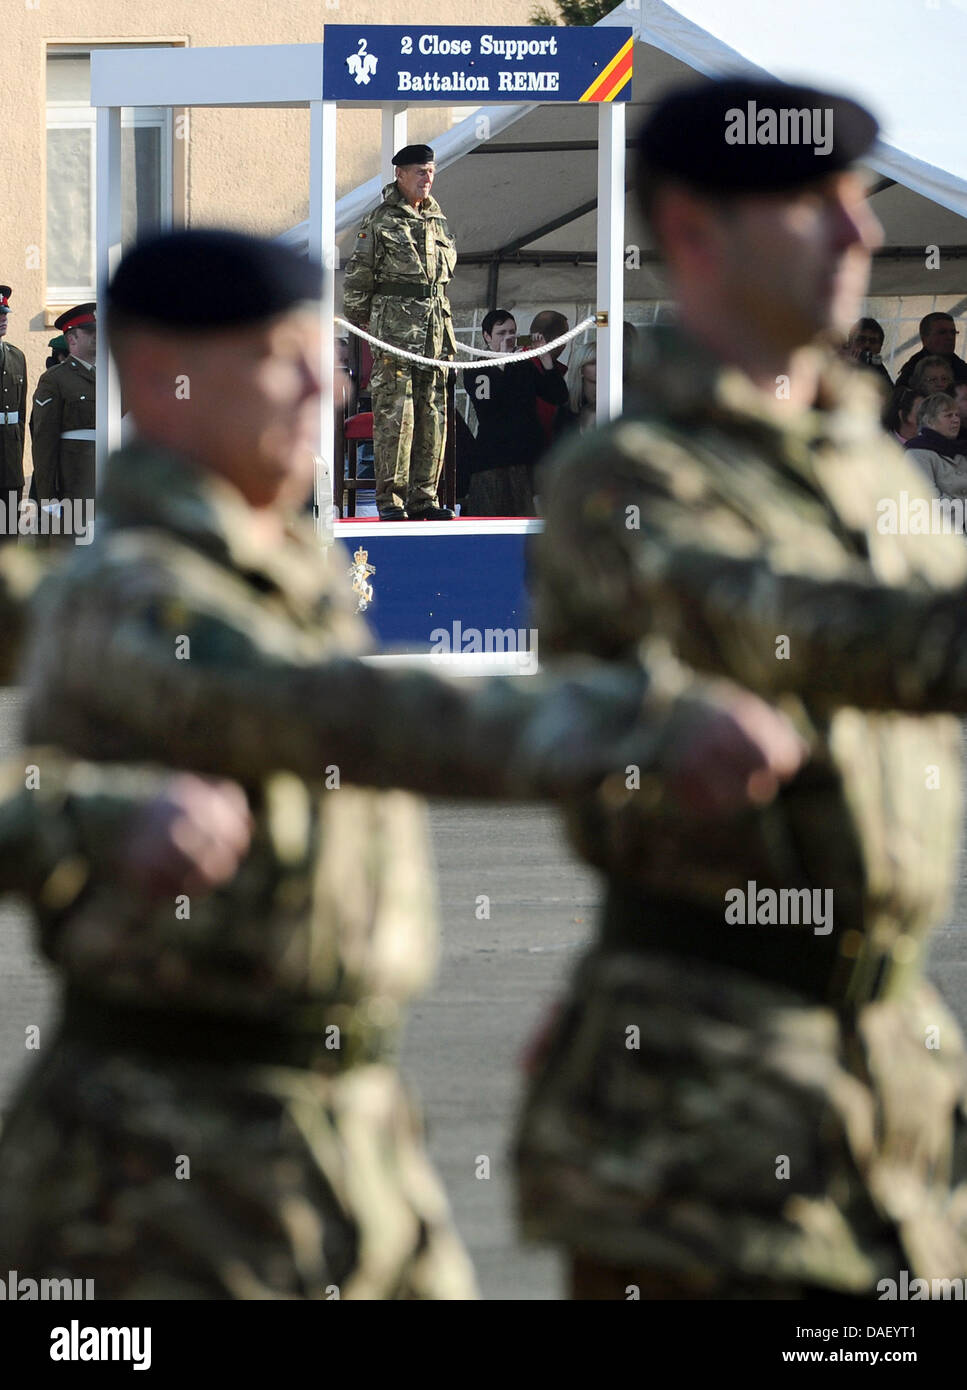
{"x":624,"y":557}
{"x":358,"y":282}
{"x":63,"y":823}
{"x":551,"y":386}
{"x":181,"y":679}
{"x":46,"y":424}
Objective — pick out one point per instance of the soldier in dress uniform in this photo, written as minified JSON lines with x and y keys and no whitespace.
{"x":13,"y":414}
{"x":751,"y":1091}
{"x":248,"y":1042}
{"x":396,"y":288}
{"x":63,"y":416}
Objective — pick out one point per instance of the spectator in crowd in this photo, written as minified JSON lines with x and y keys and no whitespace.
{"x":582,"y":379}
{"x":938,"y":333}
{"x":510,"y":437}
{"x":900,"y":415}
{"x":936,"y":448}
{"x":864,"y":345}
{"x":545,"y":327}
{"x":931,"y":374}
{"x":959,"y":394}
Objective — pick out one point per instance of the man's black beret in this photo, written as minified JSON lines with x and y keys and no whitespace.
{"x":746,"y":135}
{"x":210,"y":278}
{"x":414,"y":154}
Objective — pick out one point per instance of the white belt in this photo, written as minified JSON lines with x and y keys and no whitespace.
{"x":10,"y":417}
{"x":80,"y":434}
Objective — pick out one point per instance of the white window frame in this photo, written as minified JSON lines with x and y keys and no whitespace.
{"x":67,"y":116}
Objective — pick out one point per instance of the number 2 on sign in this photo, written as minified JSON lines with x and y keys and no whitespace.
{"x":406,"y":44}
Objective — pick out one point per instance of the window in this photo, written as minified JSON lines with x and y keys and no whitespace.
{"x":145,"y":175}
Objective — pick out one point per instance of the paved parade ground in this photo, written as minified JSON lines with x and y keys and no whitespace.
{"x":465,"y":1038}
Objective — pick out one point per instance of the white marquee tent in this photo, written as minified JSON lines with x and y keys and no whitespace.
{"x":526,"y":196}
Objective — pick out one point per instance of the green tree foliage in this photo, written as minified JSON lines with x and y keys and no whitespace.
{"x":579,"y":12}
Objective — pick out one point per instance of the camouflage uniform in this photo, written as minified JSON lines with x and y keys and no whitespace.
{"x":703,"y":524}
{"x":213,"y":1037}
{"x":396,"y":281}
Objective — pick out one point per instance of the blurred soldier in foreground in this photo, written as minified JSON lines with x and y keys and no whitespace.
{"x":396,"y":289}
{"x":751,"y":1091}
{"x":247,"y":1042}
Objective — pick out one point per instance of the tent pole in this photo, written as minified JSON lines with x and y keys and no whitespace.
{"x":393,"y":122}
{"x":107,"y":233}
{"x":322,"y":247}
{"x":611,"y":222}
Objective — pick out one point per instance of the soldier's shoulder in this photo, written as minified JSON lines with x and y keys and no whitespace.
{"x":15,"y":352}
{"x":50,"y":379}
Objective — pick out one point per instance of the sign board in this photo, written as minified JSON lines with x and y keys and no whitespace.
{"x":370,"y":64}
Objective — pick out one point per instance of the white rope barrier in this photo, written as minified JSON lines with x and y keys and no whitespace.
{"x":451,"y":364}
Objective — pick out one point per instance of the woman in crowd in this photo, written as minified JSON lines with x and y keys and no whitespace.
{"x":936,"y":447}
{"x":900,"y":416}
{"x":582,"y":383}
{"x":931,"y":374}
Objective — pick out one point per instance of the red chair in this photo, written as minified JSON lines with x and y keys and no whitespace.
{"x":353,"y":430}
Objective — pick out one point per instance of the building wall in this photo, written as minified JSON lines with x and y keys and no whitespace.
{"x":246,"y":168}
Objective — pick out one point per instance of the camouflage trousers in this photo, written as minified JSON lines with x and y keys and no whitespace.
{"x":409,"y":432}
{"x":699,"y":1127}
{"x":194,"y":1181}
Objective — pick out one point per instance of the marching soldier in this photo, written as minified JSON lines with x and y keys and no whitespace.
{"x":396,"y":288}
{"x":13,"y":414}
{"x":63,"y":416}
{"x":751,"y":1090}
{"x":248,"y":1042}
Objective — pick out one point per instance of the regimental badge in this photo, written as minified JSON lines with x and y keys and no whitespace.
{"x":359,"y":572}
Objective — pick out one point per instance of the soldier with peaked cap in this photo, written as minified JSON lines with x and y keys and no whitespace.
{"x":248,"y":1042}
{"x":396,"y":288}
{"x":751,"y":1091}
{"x":62,"y":419}
{"x":13,"y":415}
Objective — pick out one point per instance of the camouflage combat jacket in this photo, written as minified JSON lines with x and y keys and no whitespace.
{"x":759,"y":548}
{"x":396,"y":246}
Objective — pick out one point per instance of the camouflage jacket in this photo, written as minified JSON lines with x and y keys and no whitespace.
{"x":180,"y":639}
{"x":398,"y":245}
{"x":760,"y":549}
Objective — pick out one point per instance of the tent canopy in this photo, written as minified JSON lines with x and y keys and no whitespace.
{"x":525,"y":196}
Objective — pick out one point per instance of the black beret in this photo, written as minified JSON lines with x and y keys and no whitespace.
{"x":414,"y":154}
{"x":745,"y":135}
{"x":210,"y":278}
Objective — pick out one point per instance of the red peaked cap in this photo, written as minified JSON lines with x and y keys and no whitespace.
{"x":81,"y":316}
